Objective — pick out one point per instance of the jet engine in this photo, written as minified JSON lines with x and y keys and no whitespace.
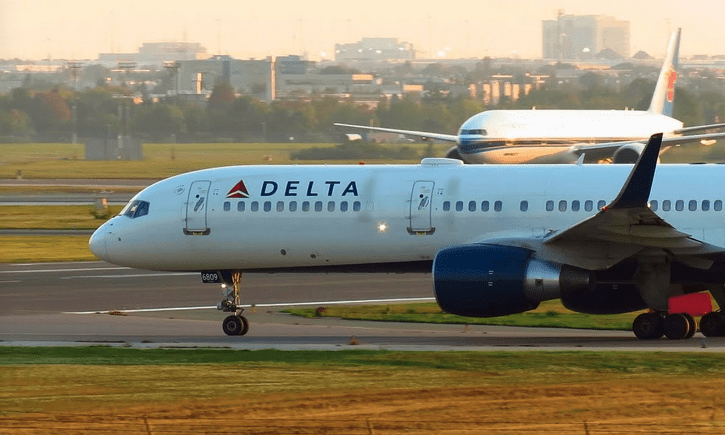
{"x":453,"y":153}
{"x":628,"y":153}
{"x":494,"y":280}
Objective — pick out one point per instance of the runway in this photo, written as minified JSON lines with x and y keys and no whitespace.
{"x":68,"y":304}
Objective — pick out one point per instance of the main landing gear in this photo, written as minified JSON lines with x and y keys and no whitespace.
{"x":676,"y":326}
{"x":235,"y":324}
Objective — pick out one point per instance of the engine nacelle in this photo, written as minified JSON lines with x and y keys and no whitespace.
{"x":494,"y":280}
{"x":628,"y":153}
{"x":453,"y":153}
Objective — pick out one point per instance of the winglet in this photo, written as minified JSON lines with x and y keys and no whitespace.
{"x":636,"y":190}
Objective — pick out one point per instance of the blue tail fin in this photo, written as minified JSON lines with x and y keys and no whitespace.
{"x":664,"y":95}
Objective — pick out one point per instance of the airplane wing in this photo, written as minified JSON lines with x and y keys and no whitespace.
{"x":605,"y":149}
{"x":626,"y":227}
{"x":700,"y":128}
{"x":418,"y":134}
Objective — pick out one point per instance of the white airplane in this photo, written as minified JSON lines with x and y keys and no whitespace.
{"x":564,"y":136}
{"x":591,"y":235}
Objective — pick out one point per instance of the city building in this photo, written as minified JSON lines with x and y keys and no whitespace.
{"x":155,"y":53}
{"x":574,"y":37}
{"x":368,"y":49}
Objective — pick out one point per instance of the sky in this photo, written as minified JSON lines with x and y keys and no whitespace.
{"x":81,"y":29}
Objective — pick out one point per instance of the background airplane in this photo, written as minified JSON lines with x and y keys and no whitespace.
{"x":564,"y":136}
{"x":519,"y":235}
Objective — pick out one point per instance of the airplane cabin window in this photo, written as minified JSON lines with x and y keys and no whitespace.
{"x":305,"y":206}
{"x":588,"y":205}
{"x":240,"y":206}
{"x":318,"y":205}
{"x":562,"y":205}
{"x":497,"y":206}
{"x":446,"y":205}
{"x":549,"y":205}
{"x":459,"y":205}
{"x":679,"y":205}
{"x":331,"y":206}
{"x":267,"y":205}
{"x":653,"y":205}
{"x":280,"y":206}
{"x":227,"y":205}
{"x":524,"y":206}
{"x":705,"y":205}
{"x":601,"y":204}
{"x":293,"y":206}
{"x":343,"y":206}
{"x":255,"y":206}
{"x":717,"y":206}
{"x":356,"y":206}
{"x":575,"y":205}
{"x":692,"y":205}
{"x":484,"y":206}
{"x":471,"y":205}
{"x":666,"y":205}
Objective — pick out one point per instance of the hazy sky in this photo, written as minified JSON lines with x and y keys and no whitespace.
{"x":81,"y":29}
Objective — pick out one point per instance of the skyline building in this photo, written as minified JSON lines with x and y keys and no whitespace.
{"x":580,"y":37}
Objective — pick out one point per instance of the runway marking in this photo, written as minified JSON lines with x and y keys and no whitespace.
{"x":286,"y":304}
{"x":64,"y":270}
{"x":136,"y":275}
{"x":6,"y":282}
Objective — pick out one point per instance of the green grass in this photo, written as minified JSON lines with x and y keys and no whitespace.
{"x":550,"y":314}
{"x":160,"y":160}
{"x":51,"y":217}
{"x":504,"y":361}
{"x":37,"y":249}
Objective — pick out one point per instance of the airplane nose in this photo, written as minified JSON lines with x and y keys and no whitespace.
{"x":97,"y":244}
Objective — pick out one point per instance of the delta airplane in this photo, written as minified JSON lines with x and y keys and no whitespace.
{"x":498,"y":239}
{"x":565,"y":136}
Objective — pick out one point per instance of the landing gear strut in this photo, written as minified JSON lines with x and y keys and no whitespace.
{"x":235,"y":324}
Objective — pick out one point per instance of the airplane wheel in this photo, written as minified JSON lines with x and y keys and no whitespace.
{"x":233,"y":325}
{"x":692,"y":325}
{"x":676,"y":326}
{"x":713,"y":324}
{"x":245,"y":325}
{"x":648,"y":326}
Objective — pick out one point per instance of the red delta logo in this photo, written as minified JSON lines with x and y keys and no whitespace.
{"x":671,"y":79}
{"x":238,"y":191}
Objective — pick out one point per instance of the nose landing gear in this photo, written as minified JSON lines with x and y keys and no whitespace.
{"x":235,"y":324}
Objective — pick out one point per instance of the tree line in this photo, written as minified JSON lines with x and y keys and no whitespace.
{"x":106,"y":112}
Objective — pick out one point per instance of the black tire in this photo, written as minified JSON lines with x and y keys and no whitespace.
{"x":676,"y":326}
{"x":232,"y":325}
{"x":713,"y":324}
{"x":245,"y":325}
{"x":648,"y":326}
{"x":692,"y":325}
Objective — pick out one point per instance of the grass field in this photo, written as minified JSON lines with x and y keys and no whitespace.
{"x":102,"y":390}
{"x":160,"y":160}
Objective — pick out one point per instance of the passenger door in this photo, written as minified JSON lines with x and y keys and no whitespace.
{"x":196,"y":207}
{"x":420,"y":207}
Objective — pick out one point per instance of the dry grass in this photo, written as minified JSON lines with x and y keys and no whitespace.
{"x":283,"y":398}
{"x":36,"y":249}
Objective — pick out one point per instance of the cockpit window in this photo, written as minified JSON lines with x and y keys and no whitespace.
{"x":136,"y":209}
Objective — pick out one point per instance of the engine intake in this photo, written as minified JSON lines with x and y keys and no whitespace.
{"x":493,"y":280}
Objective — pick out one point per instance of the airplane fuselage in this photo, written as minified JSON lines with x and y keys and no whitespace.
{"x":530,"y":136}
{"x":278,"y":217}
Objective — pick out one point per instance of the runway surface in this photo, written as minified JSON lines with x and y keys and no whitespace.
{"x":68,"y":304}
